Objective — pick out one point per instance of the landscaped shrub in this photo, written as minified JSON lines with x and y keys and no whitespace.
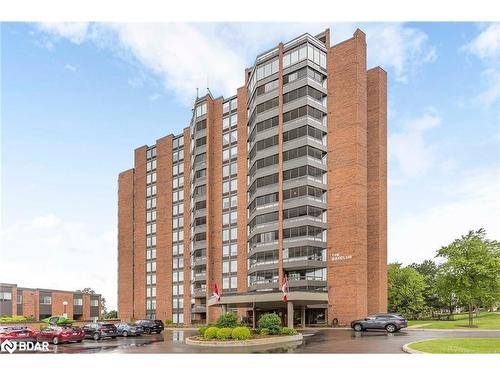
{"x":224,"y":333}
{"x":168,"y":322}
{"x":202,"y":330}
{"x":229,"y":320}
{"x":289,"y":331}
{"x":264,"y":332}
{"x":240,"y":333}
{"x":270,"y":321}
{"x":15,"y":318}
{"x":211,"y":333}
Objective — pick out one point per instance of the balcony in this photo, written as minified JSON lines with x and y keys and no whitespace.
{"x":199,"y":292}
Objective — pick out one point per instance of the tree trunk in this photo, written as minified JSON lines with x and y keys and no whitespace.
{"x":478,"y":310}
{"x":470,"y":315}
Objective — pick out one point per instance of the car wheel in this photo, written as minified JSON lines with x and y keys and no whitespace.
{"x":125,"y":333}
{"x":96,"y":336}
{"x":358,"y":327}
{"x":55,"y":340}
{"x":390,"y":328}
{"x":78,"y":340}
{"x":113,"y":337}
{"x":147,"y":331}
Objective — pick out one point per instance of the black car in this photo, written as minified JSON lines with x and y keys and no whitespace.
{"x":99,"y":331}
{"x":389,"y":322}
{"x":150,"y":325}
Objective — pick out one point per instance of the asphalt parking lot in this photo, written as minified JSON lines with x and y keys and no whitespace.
{"x":316,"y":341}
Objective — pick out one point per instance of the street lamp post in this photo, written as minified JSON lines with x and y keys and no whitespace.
{"x":65,"y":313}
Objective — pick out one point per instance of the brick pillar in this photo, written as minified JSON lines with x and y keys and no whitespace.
{"x":377,"y":190}
{"x":126,"y":244}
{"x":347,"y":180}
{"x":164,"y":228}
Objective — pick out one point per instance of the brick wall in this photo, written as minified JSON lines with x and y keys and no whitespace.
{"x":164,"y":228}
{"x":140,"y":233}
{"x":57,"y":303}
{"x":347,"y":179}
{"x":187,"y":226}
{"x":377,"y":190}
{"x":214,"y":201}
{"x":125,"y":244}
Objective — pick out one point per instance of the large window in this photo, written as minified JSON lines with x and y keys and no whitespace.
{"x":264,"y":181}
{"x":5,"y":296}
{"x":301,"y":92}
{"x":302,"y":132}
{"x":301,"y":112}
{"x":307,"y":51}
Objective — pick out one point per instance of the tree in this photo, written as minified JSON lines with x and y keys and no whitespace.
{"x":113,"y":314}
{"x":104,"y":310}
{"x":429,"y":270}
{"x":471,"y":269}
{"x":406,"y":290}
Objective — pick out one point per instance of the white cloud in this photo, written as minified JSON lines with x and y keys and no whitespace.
{"x":71,"y":68}
{"x":486,"y":47}
{"x":408,"y":147}
{"x":190,"y":56}
{"x":49,"y":252}
{"x":76,"y":32}
{"x":154,"y":97}
{"x":474,"y":203}
{"x":487,"y":44}
{"x":400,"y":48}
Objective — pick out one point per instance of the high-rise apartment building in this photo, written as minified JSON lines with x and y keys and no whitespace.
{"x":286,"y":179}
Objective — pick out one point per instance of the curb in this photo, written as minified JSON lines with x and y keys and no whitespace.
{"x":254,"y":342}
{"x":405,"y":348}
{"x":452,"y":330}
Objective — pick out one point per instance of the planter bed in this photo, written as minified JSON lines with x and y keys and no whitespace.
{"x":254,"y":340}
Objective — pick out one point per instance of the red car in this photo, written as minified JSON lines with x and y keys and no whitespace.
{"x":17,"y":334}
{"x":58,"y":334}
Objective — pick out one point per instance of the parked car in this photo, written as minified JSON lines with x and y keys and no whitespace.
{"x":99,"y":331}
{"x":150,"y":325}
{"x":127,"y":329}
{"x":17,"y":334}
{"x":389,"y":322}
{"x":59,"y":334}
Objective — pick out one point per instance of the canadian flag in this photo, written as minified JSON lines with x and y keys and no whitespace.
{"x":284,"y":288}
{"x":216,"y":292}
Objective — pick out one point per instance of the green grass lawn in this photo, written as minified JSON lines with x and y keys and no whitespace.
{"x":486,"y":320}
{"x":459,"y":346}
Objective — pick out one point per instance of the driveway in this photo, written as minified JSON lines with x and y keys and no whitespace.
{"x":316,"y":341}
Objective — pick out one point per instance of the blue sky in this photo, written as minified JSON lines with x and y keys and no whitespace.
{"x":76,"y":99}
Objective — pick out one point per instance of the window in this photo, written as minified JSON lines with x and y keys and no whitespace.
{"x":302,"y":211}
{"x":263,"y":200}
{"x":262,"y":163}
{"x":5,"y":296}
{"x":303,"y":151}
{"x":301,"y":92}
{"x":201,"y":109}
{"x":263,"y":125}
{"x":302,"y":132}
{"x":264,"y":181}
{"x":45,"y":300}
{"x":201,"y":125}
{"x":263,"y":71}
{"x":301,"y":112}
{"x":262,"y":219}
{"x":305,"y":170}
{"x":265,"y":237}
{"x":19,"y":299}
{"x":270,"y":86}
{"x":263,"y":144}
{"x":266,"y":106}
{"x":301,"y":191}
{"x":303,"y":231}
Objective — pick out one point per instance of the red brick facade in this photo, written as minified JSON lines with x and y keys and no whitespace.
{"x":356,"y":197}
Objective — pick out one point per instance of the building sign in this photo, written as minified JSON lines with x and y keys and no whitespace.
{"x":339,"y":258}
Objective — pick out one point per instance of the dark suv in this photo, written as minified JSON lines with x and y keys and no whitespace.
{"x":389,"y":322}
{"x":99,"y":331}
{"x":150,"y":325}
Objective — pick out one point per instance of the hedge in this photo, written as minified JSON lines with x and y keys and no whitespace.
{"x":211,"y":333}
{"x":224,"y":333}
{"x":271,"y":322}
{"x":229,"y":320}
{"x":240,"y":333}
